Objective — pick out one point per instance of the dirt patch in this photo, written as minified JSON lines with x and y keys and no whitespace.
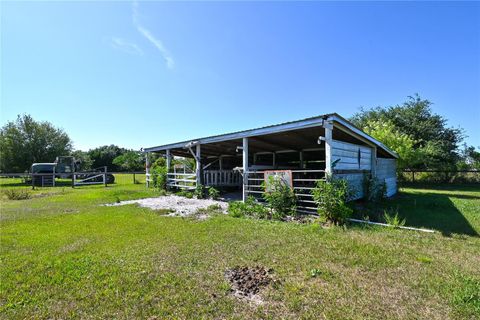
{"x":302,"y":219}
{"x":247,"y":282}
{"x":74,"y":246}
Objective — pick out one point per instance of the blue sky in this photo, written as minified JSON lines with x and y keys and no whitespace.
{"x":148,"y":73}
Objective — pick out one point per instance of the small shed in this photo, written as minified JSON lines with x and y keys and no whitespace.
{"x":306,"y":150}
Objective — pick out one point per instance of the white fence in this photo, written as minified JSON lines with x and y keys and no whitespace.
{"x":188,"y":180}
{"x":303,"y":183}
{"x":182,"y":180}
{"x":222,"y":178}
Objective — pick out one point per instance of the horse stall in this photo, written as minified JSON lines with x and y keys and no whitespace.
{"x":305,"y":151}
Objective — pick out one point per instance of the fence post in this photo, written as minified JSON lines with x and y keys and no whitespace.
{"x":134,"y":178}
{"x":105,"y":176}
{"x":413,"y":176}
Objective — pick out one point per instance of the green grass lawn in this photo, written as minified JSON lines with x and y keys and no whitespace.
{"x":63,"y":255}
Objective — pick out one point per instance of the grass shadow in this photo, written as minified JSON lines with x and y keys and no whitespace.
{"x":435,"y":211}
{"x":431,"y":210}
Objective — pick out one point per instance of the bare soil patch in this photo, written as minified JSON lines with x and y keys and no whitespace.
{"x":247,"y":282}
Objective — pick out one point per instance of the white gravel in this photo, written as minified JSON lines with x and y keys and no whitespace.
{"x":182,"y":206}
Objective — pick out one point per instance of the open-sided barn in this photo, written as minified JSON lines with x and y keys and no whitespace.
{"x":305,"y":150}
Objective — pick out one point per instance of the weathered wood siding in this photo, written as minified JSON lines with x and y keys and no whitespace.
{"x":355,"y":182}
{"x":351,"y":156}
{"x":387,"y":171}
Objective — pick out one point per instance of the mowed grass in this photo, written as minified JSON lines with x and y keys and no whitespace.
{"x":63,"y":255}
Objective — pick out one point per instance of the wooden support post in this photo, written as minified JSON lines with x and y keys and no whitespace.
{"x":245,"y":169}
{"x":198,"y":170}
{"x":301,"y":159}
{"x":328,"y":147}
{"x":169,"y":159}
{"x":220,"y":163}
{"x":374,"y":162}
{"x":274,"y":160}
{"x":147,"y":170}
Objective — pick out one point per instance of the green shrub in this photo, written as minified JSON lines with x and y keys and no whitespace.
{"x":185,"y":193}
{"x":199,"y":192}
{"x":250,"y":208}
{"x":315,"y":273}
{"x":375,"y":190}
{"x":213,"y":193}
{"x":159,"y":177}
{"x":393,"y":219}
{"x":280,"y":198}
{"x":331,"y":197}
{"x":236,"y":209}
{"x":17,"y":194}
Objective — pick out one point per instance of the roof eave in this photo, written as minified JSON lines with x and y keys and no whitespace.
{"x":300,"y":124}
{"x":294,"y":125}
{"x":336,"y":117}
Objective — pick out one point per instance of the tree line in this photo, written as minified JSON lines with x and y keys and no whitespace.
{"x":422,"y":139}
{"x":26,"y":141}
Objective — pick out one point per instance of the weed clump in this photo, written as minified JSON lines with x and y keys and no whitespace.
{"x":375,"y":190}
{"x":393,"y":219}
{"x":17,"y":194}
{"x":250,"y":208}
{"x":213,"y":193}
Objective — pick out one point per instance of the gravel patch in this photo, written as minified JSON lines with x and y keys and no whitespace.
{"x":180,"y":206}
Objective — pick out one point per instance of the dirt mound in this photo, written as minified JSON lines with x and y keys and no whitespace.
{"x":247,"y":282}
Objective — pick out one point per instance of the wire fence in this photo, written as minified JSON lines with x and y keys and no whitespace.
{"x":25,"y":179}
{"x":439,"y":176}
{"x":130,"y":178}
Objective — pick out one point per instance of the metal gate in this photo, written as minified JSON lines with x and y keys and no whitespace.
{"x":88,"y":178}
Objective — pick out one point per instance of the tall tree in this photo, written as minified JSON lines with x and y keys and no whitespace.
{"x":25,"y":141}
{"x":84,"y":159}
{"x":400,"y":142}
{"x":104,"y":155}
{"x":470,"y":158}
{"x":130,"y":161}
{"x":438,"y":142}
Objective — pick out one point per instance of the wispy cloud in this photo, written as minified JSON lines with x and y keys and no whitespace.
{"x":129,"y":47}
{"x":147,"y":34}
